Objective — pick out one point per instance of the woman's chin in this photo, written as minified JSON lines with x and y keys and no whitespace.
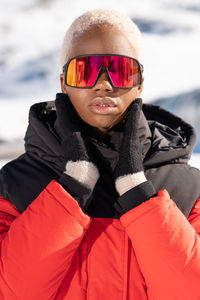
{"x":104,"y":124}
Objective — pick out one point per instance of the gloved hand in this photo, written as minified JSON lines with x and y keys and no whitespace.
{"x":81,"y":173}
{"x":129,"y":172}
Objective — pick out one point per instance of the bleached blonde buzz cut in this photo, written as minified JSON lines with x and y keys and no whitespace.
{"x":96,"y":18}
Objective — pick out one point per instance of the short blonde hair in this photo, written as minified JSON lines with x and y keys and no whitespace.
{"x":97,"y":18}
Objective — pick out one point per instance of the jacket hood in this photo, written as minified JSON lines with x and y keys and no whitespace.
{"x":173,"y":139}
{"x":166,"y":138}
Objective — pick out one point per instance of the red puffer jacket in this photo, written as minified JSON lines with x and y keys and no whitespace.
{"x":51,"y":250}
{"x":54,"y":251}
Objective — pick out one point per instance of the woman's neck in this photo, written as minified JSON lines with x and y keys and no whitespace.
{"x":103,"y":136}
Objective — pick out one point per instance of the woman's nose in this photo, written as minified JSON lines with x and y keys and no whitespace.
{"x":103,"y":81}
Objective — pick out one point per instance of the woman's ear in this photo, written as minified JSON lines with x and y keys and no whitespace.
{"x":62,"y":84}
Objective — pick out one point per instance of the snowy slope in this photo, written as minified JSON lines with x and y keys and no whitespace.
{"x":31,"y":34}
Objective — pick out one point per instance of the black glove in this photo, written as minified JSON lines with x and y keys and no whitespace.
{"x":81,"y":173}
{"x":129,"y":172}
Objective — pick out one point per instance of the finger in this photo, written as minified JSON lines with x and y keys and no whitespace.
{"x":66,"y":114}
{"x":139,"y":102}
{"x":132,"y":120}
{"x":64,"y":106}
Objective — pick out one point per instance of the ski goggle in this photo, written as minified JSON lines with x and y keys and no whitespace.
{"x":83,"y":71}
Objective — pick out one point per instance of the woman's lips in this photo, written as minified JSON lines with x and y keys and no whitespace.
{"x":103,"y":106}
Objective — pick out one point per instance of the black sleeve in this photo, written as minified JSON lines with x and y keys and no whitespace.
{"x":77,"y":190}
{"x":135,"y":197}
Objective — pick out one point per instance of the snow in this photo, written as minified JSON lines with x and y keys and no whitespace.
{"x":32,"y":32}
{"x":3,"y":162}
{"x":14,"y":118}
{"x":195,"y":161}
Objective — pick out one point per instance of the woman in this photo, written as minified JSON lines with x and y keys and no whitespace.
{"x":98,"y":206}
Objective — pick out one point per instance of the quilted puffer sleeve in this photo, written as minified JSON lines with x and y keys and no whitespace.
{"x":167,"y":247}
{"x":37,"y":246}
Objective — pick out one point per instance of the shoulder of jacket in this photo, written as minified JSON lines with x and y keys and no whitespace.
{"x":180,"y":180}
{"x":23,"y":179}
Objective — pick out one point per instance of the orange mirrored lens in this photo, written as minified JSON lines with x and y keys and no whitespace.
{"x":123,"y":71}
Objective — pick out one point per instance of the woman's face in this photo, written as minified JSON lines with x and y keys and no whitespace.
{"x":102,"y":41}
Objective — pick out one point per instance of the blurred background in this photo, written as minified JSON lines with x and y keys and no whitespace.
{"x":31,"y":34}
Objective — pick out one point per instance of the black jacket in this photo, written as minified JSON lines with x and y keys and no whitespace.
{"x":167,"y":143}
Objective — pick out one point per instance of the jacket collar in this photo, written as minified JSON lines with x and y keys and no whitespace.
{"x":165,"y":138}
